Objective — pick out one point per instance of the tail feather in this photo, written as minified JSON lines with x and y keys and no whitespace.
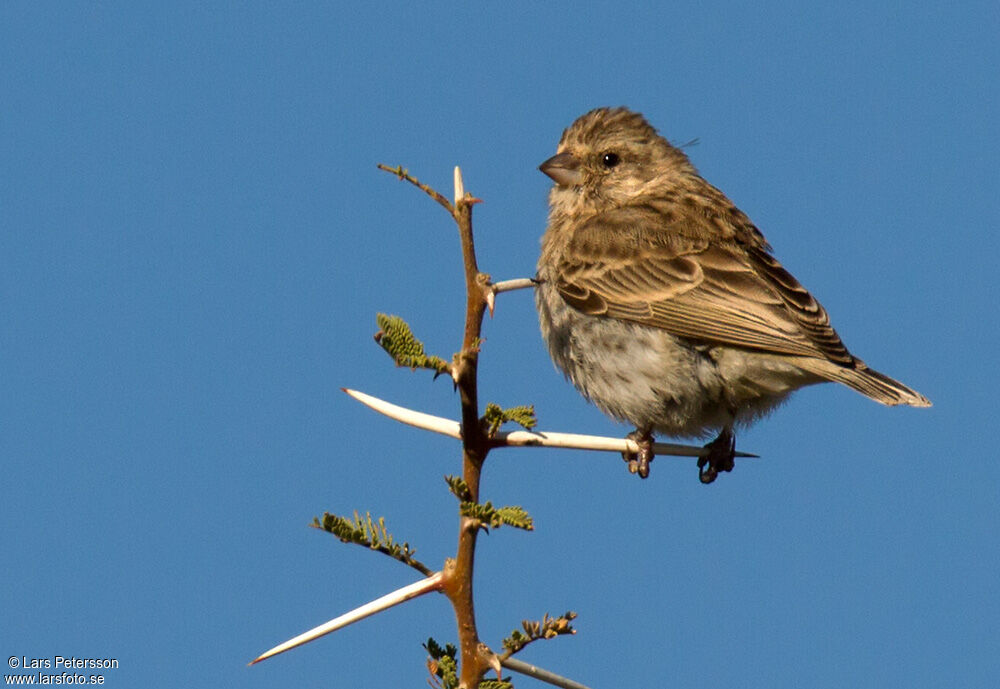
{"x":868,"y":382}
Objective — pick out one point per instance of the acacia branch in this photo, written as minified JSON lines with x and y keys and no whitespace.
{"x":457,"y":584}
{"x":455,"y":578}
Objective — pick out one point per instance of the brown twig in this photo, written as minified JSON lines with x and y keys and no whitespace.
{"x":457,"y":583}
{"x":403,"y":174}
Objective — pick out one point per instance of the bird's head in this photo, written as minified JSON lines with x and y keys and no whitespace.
{"x":607,"y":158}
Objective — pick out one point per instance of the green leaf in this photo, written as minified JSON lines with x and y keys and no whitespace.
{"x":516,"y":516}
{"x":396,"y":338}
{"x":371,"y":534}
{"x":495,"y":517}
{"x":496,"y":684}
{"x":459,"y":487}
{"x":495,"y":416}
{"x":435,"y":651}
{"x":533,"y":630}
{"x":442,"y":664}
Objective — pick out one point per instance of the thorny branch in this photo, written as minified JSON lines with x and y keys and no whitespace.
{"x":457,"y":581}
{"x":478,"y":436}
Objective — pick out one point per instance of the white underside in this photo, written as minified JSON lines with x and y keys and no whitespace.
{"x":647,"y":377}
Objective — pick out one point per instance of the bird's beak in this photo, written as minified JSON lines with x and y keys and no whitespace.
{"x":564,"y":169}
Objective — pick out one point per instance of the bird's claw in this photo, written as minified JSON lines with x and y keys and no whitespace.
{"x":721,"y":457}
{"x":639,"y":463}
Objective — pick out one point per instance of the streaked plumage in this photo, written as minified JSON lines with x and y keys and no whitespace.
{"x":661,"y":302}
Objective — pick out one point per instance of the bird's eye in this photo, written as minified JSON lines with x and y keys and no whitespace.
{"x":610,"y":160}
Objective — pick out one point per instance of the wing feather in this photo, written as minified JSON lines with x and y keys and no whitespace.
{"x":642,"y":264}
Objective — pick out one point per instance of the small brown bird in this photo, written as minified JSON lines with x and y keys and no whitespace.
{"x":661,"y":302}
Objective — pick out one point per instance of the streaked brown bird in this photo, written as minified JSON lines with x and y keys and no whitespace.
{"x":662,"y":303}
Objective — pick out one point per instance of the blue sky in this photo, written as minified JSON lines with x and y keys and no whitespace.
{"x":195,"y":241}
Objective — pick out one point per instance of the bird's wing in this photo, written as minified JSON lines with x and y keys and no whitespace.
{"x":638,"y":264}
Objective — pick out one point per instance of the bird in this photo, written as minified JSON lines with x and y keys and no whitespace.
{"x":662,"y":303}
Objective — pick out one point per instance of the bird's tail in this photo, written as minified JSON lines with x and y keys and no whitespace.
{"x":868,"y":382}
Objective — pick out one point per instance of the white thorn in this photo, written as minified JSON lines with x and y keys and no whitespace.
{"x":408,"y":416}
{"x":495,"y":665}
{"x":459,"y":185}
{"x":508,"y":285}
{"x":431,"y":583}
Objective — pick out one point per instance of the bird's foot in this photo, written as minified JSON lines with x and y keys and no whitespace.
{"x":721,"y":456}
{"x":639,"y":463}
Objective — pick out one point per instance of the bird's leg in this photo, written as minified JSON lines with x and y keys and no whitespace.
{"x":720,"y":457}
{"x":639,"y":464}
